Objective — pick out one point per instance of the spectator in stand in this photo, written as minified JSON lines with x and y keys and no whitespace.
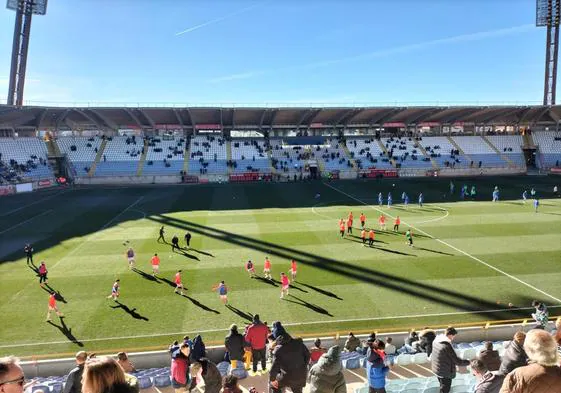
{"x":125,"y":363}
{"x":104,"y":375}
{"x":426,"y":338}
{"x":409,"y":341}
{"x":558,"y":332}
{"x":352,"y":343}
{"x":180,"y":367}
{"x":234,"y":343}
{"x":256,"y":337}
{"x":541,"y":316}
{"x":278,"y":330}
{"x":207,"y":377}
{"x":74,"y":379}
{"x":326,"y":376}
{"x":316,"y":351}
{"x":376,"y":368}
{"x":490,"y":357}
{"x":487,"y":382}
{"x":199,"y":349}
{"x":543,"y":374}
{"x":290,"y":365}
{"x":230,"y":384}
{"x":514,"y":355}
{"x":444,"y":360}
{"x":390,"y":349}
{"x":12,"y":378}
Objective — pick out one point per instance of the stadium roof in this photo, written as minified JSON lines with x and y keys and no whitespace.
{"x":114,"y":118}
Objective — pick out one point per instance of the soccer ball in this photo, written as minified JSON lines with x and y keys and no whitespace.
{"x":393,"y":185}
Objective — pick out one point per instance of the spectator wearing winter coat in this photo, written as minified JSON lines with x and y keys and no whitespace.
{"x":256,"y":336}
{"x":316,"y":351}
{"x":543,"y":374}
{"x":207,"y":377}
{"x":74,"y":379}
{"x":376,"y":369}
{"x":390,"y":349}
{"x":290,"y":365}
{"x":487,"y":381}
{"x":326,"y":376}
{"x":352,"y":343}
{"x":444,"y":360}
{"x":426,"y":338}
{"x":490,"y":357}
{"x":514,"y":355}
{"x":234,"y":343}
{"x":199,"y":350}
{"x":179,"y":371}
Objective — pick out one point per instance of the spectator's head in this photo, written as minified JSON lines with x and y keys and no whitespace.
{"x":488,"y":345}
{"x":541,"y":348}
{"x":101,"y":374}
{"x":81,"y":357}
{"x":451,"y":333}
{"x":185,"y":349}
{"x":11,"y":375}
{"x":234,"y":328}
{"x":122,"y":357}
{"x":389,"y":340}
{"x":200,"y":367}
{"x":317,"y":343}
{"x":379,"y":344}
{"x":535,"y":303}
{"x":230,"y":382}
{"x":185,"y":338}
{"x":478,"y":368}
{"x":256,"y":318}
{"x":351,"y":334}
{"x":519,"y":337}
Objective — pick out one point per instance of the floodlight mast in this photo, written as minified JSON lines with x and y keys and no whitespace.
{"x":22,"y":29}
{"x":547,"y":14}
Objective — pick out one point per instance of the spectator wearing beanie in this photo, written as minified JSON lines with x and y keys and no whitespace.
{"x":234,"y":343}
{"x":514,"y":355}
{"x":199,"y":350}
{"x":290,"y":365}
{"x":326,"y":376}
{"x":376,"y":369}
{"x":487,"y":381}
{"x":352,"y":343}
{"x":444,"y":360}
{"x":543,"y":374}
{"x":256,"y":337}
{"x":490,"y":357}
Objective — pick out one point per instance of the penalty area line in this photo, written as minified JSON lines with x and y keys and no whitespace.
{"x":451,"y":246}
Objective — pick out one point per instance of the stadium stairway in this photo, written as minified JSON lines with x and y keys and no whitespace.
{"x":52,"y":148}
{"x":349,"y":157}
{"x":528,"y":141}
{"x":392,"y":161}
{"x":503,"y":157}
{"x":186,"y":157}
{"x":229,"y":155}
{"x":453,"y":142}
{"x":142,"y":160}
{"x":422,"y":149}
{"x":91,"y":173}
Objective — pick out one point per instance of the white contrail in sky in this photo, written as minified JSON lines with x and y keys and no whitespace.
{"x":385,"y":52}
{"x":220,"y":19}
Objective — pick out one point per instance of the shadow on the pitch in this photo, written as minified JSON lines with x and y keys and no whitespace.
{"x":408,"y":210}
{"x":185,"y":253}
{"x":359,"y":239}
{"x":319,"y":290}
{"x":200,"y":305}
{"x":131,"y":311}
{"x":243,"y":314}
{"x":265,"y":280}
{"x":311,"y":306}
{"x":58,"y":295}
{"x":291,"y":285}
{"x":380,"y":248}
{"x":169,"y":282}
{"x":435,"y":251}
{"x":66,"y":331}
{"x":145,"y":275}
{"x":553,"y":214}
{"x":208,"y":254}
{"x":33,"y":267}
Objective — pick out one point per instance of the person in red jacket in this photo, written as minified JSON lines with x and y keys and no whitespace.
{"x":256,"y":337}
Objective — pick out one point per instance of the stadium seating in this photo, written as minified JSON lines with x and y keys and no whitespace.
{"x":479,"y":151}
{"x":287,"y":158}
{"x":405,"y":153}
{"x":81,"y":151}
{"x":24,"y":157}
{"x":164,"y":157}
{"x":509,"y":146}
{"x":368,"y":153}
{"x":120,"y":157}
{"x":250,"y":155}
{"x":440,"y":149}
{"x":208,"y":155}
{"x":549,"y":144}
{"x":333,"y":155}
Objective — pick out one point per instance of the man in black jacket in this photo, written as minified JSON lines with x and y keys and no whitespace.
{"x":74,"y":380}
{"x":444,"y":360}
{"x":290,"y":365}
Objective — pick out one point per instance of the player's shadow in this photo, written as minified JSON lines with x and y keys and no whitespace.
{"x":381,"y":248}
{"x":169,"y":282}
{"x":131,"y":311}
{"x":553,"y":214}
{"x":291,"y":285}
{"x":265,"y":280}
{"x":208,"y":254}
{"x":58,"y":295}
{"x":435,"y":251}
{"x":185,"y":253}
{"x":243,"y":314}
{"x":33,"y":267}
{"x":319,"y":290}
{"x":311,"y":306}
{"x":200,"y":305}
{"x":359,"y":239}
{"x":145,"y":275}
{"x":67,"y":332}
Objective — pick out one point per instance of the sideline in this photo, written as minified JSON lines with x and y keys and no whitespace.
{"x":225,"y":329}
{"x":33,"y":203}
{"x":26,"y":221}
{"x":449,"y":245}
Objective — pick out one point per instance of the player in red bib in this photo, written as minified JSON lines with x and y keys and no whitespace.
{"x":285,"y":284}
{"x":382,"y":222}
{"x":371,"y":237}
{"x":250,"y":268}
{"x":155,"y":261}
{"x":362,"y":220}
{"x":178,"y":283}
{"x":115,"y":290}
{"x":293,"y":269}
{"x":267,"y":269}
{"x":350,"y":225}
{"x":396,"y":224}
{"x":342,"y":228}
{"x":53,"y":307}
{"x":363,"y":236}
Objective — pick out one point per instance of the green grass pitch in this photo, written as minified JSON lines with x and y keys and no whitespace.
{"x":467,"y":257}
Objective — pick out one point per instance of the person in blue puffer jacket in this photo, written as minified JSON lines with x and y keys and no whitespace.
{"x":376,"y":369}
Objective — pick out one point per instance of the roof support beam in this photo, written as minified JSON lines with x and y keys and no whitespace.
{"x":346,"y":114}
{"x":41,"y":117}
{"x":500,"y":114}
{"x":110,"y":124}
{"x":524,"y":115}
{"x":178,"y":117}
{"x":100,"y":126}
{"x":554,"y":116}
{"x":191,"y":118}
{"x":265,"y":111}
{"x":303,"y":117}
{"x":272,"y":122}
{"x":222,"y":118}
{"x":540,"y":115}
{"x":385,"y":116}
{"x":460,"y":115}
{"x":147,"y":117}
{"x":352,"y":116}
{"x":422,"y":115}
{"x":61,"y":118}
{"x":134,"y":118}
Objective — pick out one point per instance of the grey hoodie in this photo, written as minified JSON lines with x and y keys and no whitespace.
{"x":490,"y":383}
{"x":326,"y":376}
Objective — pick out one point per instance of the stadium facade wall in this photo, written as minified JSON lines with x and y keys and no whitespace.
{"x":142,"y":360}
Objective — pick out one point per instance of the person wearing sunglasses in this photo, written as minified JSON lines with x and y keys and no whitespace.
{"x":12,"y":379}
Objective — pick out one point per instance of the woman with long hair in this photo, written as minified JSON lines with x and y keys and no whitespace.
{"x":104,"y":375}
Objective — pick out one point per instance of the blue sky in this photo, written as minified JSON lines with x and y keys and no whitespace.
{"x":281,"y":51}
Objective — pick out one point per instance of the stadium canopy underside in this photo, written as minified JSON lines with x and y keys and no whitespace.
{"x":224,"y":118}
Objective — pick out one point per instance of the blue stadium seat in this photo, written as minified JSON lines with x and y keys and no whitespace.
{"x":161,"y":381}
{"x":145,"y":382}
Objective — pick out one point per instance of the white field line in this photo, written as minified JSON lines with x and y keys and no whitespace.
{"x":183,"y":332}
{"x":26,"y":221}
{"x":438,"y":218}
{"x":451,"y":246}
{"x":33,"y":203}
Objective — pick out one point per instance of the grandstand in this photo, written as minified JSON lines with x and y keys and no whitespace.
{"x":81,"y":151}
{"x":509,"y":146}
{"x":406,"y":153}
{"x":250,"y":155}
{"x":208,"y":155}
{"x":120,"y":157}
{"x":549,"y":144}
{"x":24,"y":158}
{"x":479,"y":152}
{"x":164,"y":156}
{"x":368,"y":153}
